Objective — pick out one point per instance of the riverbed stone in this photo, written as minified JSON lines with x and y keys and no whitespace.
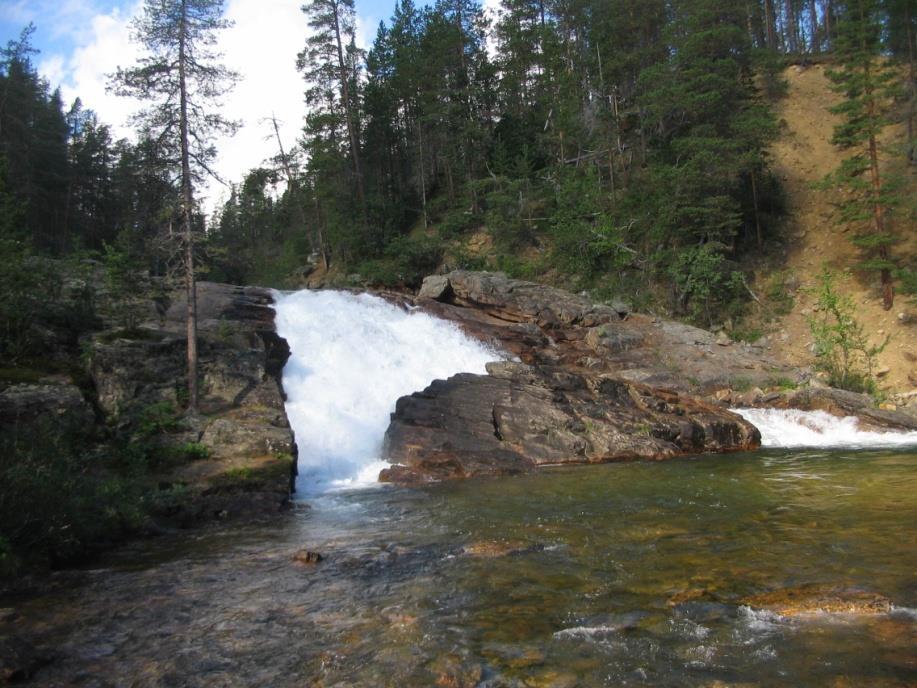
{"x":813,"y":599}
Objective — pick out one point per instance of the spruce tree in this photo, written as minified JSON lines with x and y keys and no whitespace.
{"x":182,"y":78}
{"x":868,"y":83}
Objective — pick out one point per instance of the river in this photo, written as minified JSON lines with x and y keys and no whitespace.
{"x":630,"y":574}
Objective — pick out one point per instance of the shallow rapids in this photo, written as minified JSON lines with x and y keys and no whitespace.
{"x":814,"y":429}
{"x":352,"y":357}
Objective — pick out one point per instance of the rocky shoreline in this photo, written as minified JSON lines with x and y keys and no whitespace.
{"x":591,"y":384}
{"x":587,"y":383}
{"x":236,"y":457}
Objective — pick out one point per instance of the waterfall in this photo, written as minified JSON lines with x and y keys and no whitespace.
{"x":352,"y":356}
{"x":793,"y":428}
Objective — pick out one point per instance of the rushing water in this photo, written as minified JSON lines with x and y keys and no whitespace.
{"x":632,"y":574}
{"x":352,"y":357}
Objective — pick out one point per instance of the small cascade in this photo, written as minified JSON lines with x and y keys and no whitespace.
{"x":352,"y":357}
{"x":794,"y":428}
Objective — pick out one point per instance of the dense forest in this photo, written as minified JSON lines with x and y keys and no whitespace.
{"x":612,"y":145}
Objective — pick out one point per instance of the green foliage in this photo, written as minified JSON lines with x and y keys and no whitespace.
{"x":907,"y":280}
{"x":842,"y":346}
{"x":123,"y":264}
{"x":407,"y":260}
{"x":59,"y":499}
{"x":704,"y":285}
{"x":746,"y":334}
{"x":193,"y":451}
{"x":779,"y":297}
{"x":782,"y":383}
{"x":870,"y":85}
{"x":156,"y":419}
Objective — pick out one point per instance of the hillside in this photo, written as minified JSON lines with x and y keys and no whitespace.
{"x":802,"y":156}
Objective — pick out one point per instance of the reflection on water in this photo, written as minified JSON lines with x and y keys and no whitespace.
{"x":620,"y":575}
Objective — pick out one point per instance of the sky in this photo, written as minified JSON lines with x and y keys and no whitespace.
{"x":82,"y":41}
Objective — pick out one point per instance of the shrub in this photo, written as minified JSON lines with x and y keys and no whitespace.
{"x":842,"y":346}
{"x":158,"y":418}
{"x":58,"y":499}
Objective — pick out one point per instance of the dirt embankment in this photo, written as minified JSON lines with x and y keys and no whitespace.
{"x":802,"y":156}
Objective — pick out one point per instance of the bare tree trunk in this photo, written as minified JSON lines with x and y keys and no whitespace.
{"x":292,"y":183}
{"x":878,"y":210}
{"x":814,"y":46}
{"x":770,"y":25}
{"x":829,"y":9}
{"x":423,"y":181}
{"x":754,"y":194}
{"x":187,"y":203}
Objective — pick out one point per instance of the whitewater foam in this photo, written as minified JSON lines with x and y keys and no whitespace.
{"x":794,"y":428}
{"x":351,"y":357}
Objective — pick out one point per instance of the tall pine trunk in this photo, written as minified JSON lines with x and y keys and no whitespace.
{"x":348,"y":112}
{"x":187,"y":200}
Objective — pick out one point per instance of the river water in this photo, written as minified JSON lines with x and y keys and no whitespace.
{"x":633,"y":574}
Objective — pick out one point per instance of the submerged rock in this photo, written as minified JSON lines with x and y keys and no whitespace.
{"x":821,"y":599}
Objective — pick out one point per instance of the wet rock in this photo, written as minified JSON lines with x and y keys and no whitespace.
{"x":308,"y":557}
{"x":19,"y":659}
{"x":520,"y":417}
{"x":451,"y":671}
{"x":552,"y":679}
{"x":492,"y":549}
{"x":842,"y":403}
{"x":814,"y":599}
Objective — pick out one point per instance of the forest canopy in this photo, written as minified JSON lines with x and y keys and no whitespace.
{"x":619,"y":145}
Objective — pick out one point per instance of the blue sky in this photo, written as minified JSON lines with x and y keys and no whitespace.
{"x":82,"y":41}
{"x":60,"y":23}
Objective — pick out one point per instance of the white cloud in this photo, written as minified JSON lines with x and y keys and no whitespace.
{"x":105,"y":45}
{"x":261,"y":46}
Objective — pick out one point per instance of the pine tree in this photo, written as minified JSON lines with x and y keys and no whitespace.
{"x":182,"y":77}
{"x":868,"y":84}
{"x":330,"y":64}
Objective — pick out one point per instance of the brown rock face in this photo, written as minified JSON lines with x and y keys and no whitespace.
{"x":242,"y":425}
{"x":570,"y":400}
{"x":520,"y":417}
{"x":549,"y":326}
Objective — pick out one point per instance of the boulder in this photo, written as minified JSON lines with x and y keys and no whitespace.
{"x":813,"y":599}
{"x":545,"y":325}
{"x":435,"y":287}
{"x":54,"y":406}
{"x":520,"y":417}
{"x":240,"y":441}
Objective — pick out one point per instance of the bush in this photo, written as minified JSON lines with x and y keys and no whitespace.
{"x":406,"y":262}
{"x":59,"y":500}
{"x":842,"y":346}
{"x":156,"y":419}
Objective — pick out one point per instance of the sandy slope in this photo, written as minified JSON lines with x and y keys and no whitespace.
{"x":803,"y":155}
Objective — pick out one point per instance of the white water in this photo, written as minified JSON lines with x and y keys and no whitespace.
{"x":792,"y":428}
{"x":352,"y":357}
